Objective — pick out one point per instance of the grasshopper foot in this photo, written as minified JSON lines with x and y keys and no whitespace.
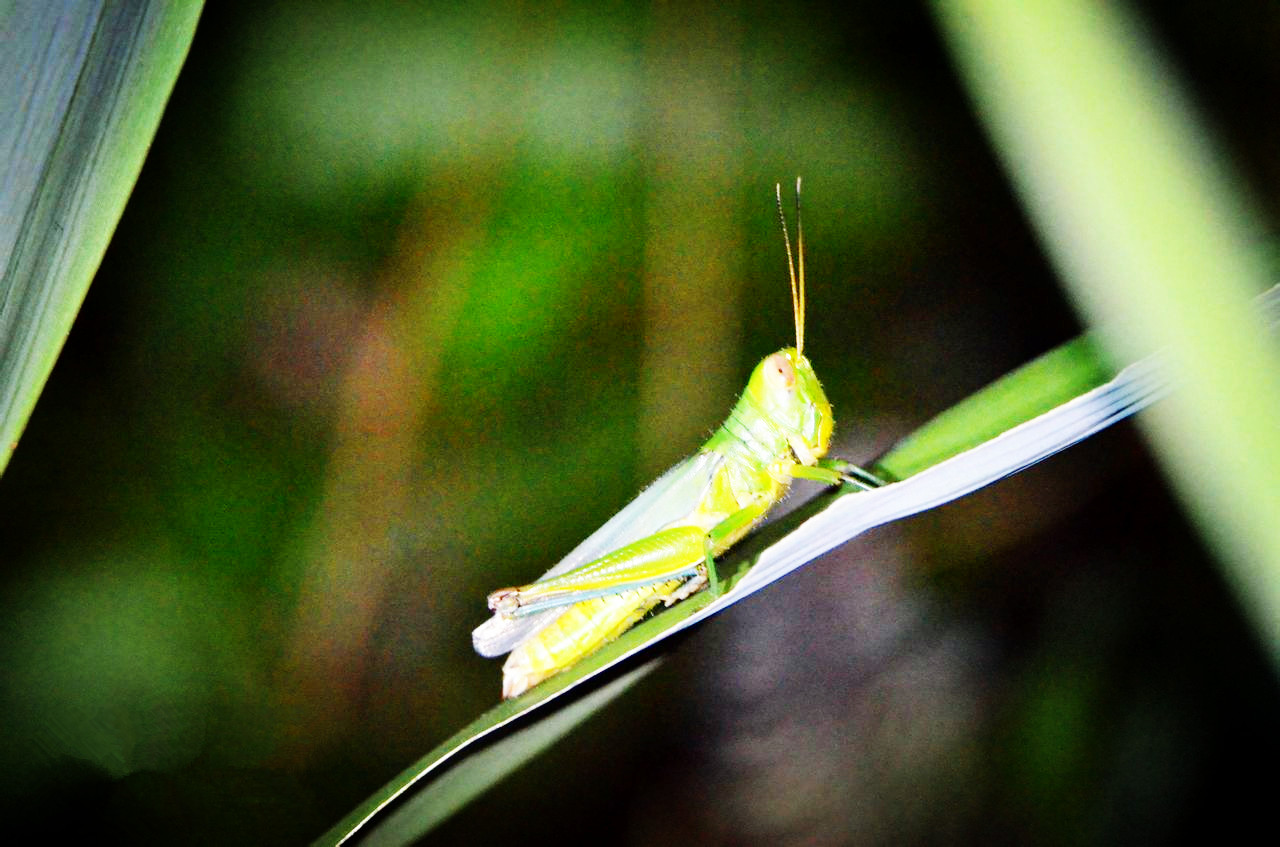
{"x":505,"y":601}
{"x":688,"y":588}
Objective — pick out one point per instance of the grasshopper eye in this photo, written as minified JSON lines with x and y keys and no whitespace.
{"x":779,"y":372}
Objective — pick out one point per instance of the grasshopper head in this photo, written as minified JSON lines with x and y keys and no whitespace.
{"x":790,"y":396}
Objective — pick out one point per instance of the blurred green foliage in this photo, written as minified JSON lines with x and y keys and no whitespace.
{"x":377,"y":334}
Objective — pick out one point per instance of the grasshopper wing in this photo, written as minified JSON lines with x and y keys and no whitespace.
{"x":672,"y":498}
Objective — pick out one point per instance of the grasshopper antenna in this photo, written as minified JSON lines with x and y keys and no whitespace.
{"x":800,"y":251}
{"x":797,"y":289}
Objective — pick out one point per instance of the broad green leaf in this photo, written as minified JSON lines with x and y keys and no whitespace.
{"x":1066,"y":371}
{"x":82,"y":87}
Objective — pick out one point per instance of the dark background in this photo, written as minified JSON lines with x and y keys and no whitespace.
{"x":411,"y":297}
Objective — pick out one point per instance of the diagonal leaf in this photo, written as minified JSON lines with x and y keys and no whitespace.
{"x":82,"y":87}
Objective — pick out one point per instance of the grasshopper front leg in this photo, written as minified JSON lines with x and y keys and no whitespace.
{"x":837,"y":471}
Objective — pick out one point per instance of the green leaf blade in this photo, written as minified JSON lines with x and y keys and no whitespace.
{"x":87,"y":83}
{"x":1154,"y":240}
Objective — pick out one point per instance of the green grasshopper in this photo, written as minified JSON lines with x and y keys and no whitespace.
{"x":661,"y":547}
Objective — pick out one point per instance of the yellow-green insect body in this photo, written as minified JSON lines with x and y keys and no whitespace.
{"x":661,"y":547}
